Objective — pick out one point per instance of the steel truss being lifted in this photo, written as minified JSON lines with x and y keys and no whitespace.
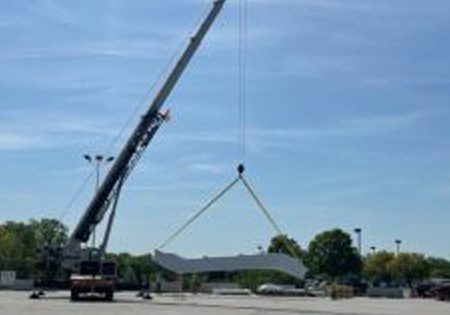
{"x":281,"y":262}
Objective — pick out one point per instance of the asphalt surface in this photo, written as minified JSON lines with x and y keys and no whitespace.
{"x":17,"y":303}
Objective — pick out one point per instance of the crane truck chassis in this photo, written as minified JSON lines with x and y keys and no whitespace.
{"x":91,"y":286}
{"x":95,"y":279}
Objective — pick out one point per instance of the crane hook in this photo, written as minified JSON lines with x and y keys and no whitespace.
{"x":241,"y":169}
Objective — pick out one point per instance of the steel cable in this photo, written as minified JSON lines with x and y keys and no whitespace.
{"x":198,"y":214}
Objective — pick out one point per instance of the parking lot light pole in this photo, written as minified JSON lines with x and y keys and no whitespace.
{"x":98,"y":161}
{"x":358,"y":232}
{"x":397,"y":245}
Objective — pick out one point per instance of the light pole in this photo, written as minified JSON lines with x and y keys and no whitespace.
{"x":397,"y":245}
{"x":260,"y":249}
{"x":373,"y":249}
{"x":358,"y":232}
{"x":98,"y":161}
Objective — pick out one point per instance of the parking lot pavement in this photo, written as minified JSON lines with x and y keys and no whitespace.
{"x":17,"y":303}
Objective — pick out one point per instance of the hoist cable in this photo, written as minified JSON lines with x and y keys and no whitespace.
{"x":242,"y":42}
{"x":242,"y":77}
{"x":261,"y":206}
{"x":270,"y":218}
{"x":257,"y":200}
{"x":198,"y":214}
{"x":75,"y":196}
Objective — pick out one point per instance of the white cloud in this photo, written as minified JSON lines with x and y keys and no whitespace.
{"x":52,"y":130}
{"x":361,"y":126}
{"x":28,"y":130}
{"x":7,"y":22}
{"x":208,"y":136}
{"x":262,"y":140}
{"x":123,"y":48}
{"x":16,"y":142}
{"x":53,"y":11}
{"x":208,"y":168}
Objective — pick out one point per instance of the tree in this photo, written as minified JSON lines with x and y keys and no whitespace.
{"x":7,"y":242}
{"x":279,"y":244}
{"x":377,"y":266}
{"x":17,"y":248}
{"x":410,"y":268}
{"x":50,"y":232}
{"x":51,"y":236}
{"x":439,"y":267}
{"x":20,"y":243}
{"x":284,"y":244}
{"x":331,"y":254}
{"x":142,"y":267}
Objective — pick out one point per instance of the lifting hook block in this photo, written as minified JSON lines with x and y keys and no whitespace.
{"x":241,"y":169}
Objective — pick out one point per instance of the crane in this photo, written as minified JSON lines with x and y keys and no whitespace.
{"x":81,"y":261}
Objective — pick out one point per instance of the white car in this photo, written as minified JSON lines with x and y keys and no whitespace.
{"x":269,"y":288}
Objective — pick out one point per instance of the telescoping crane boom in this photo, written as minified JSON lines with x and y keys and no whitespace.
{"x":75,"y":258}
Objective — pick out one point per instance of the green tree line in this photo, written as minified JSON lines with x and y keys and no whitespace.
{"x":20,"y":243}
{"x":331,"y":255}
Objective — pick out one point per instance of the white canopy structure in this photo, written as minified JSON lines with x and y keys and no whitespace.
{"x":267,"y":261}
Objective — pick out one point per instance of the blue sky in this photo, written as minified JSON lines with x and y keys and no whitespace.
{"x":348,"y":110}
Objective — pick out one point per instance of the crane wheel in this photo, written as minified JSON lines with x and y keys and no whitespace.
{"x":109,"y":295}
{"x":74,"y":295}
{"x":34,"y":296}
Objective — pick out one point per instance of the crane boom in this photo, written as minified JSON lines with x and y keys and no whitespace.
{"x":91,"y":273}
{"x":139,"y":139}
